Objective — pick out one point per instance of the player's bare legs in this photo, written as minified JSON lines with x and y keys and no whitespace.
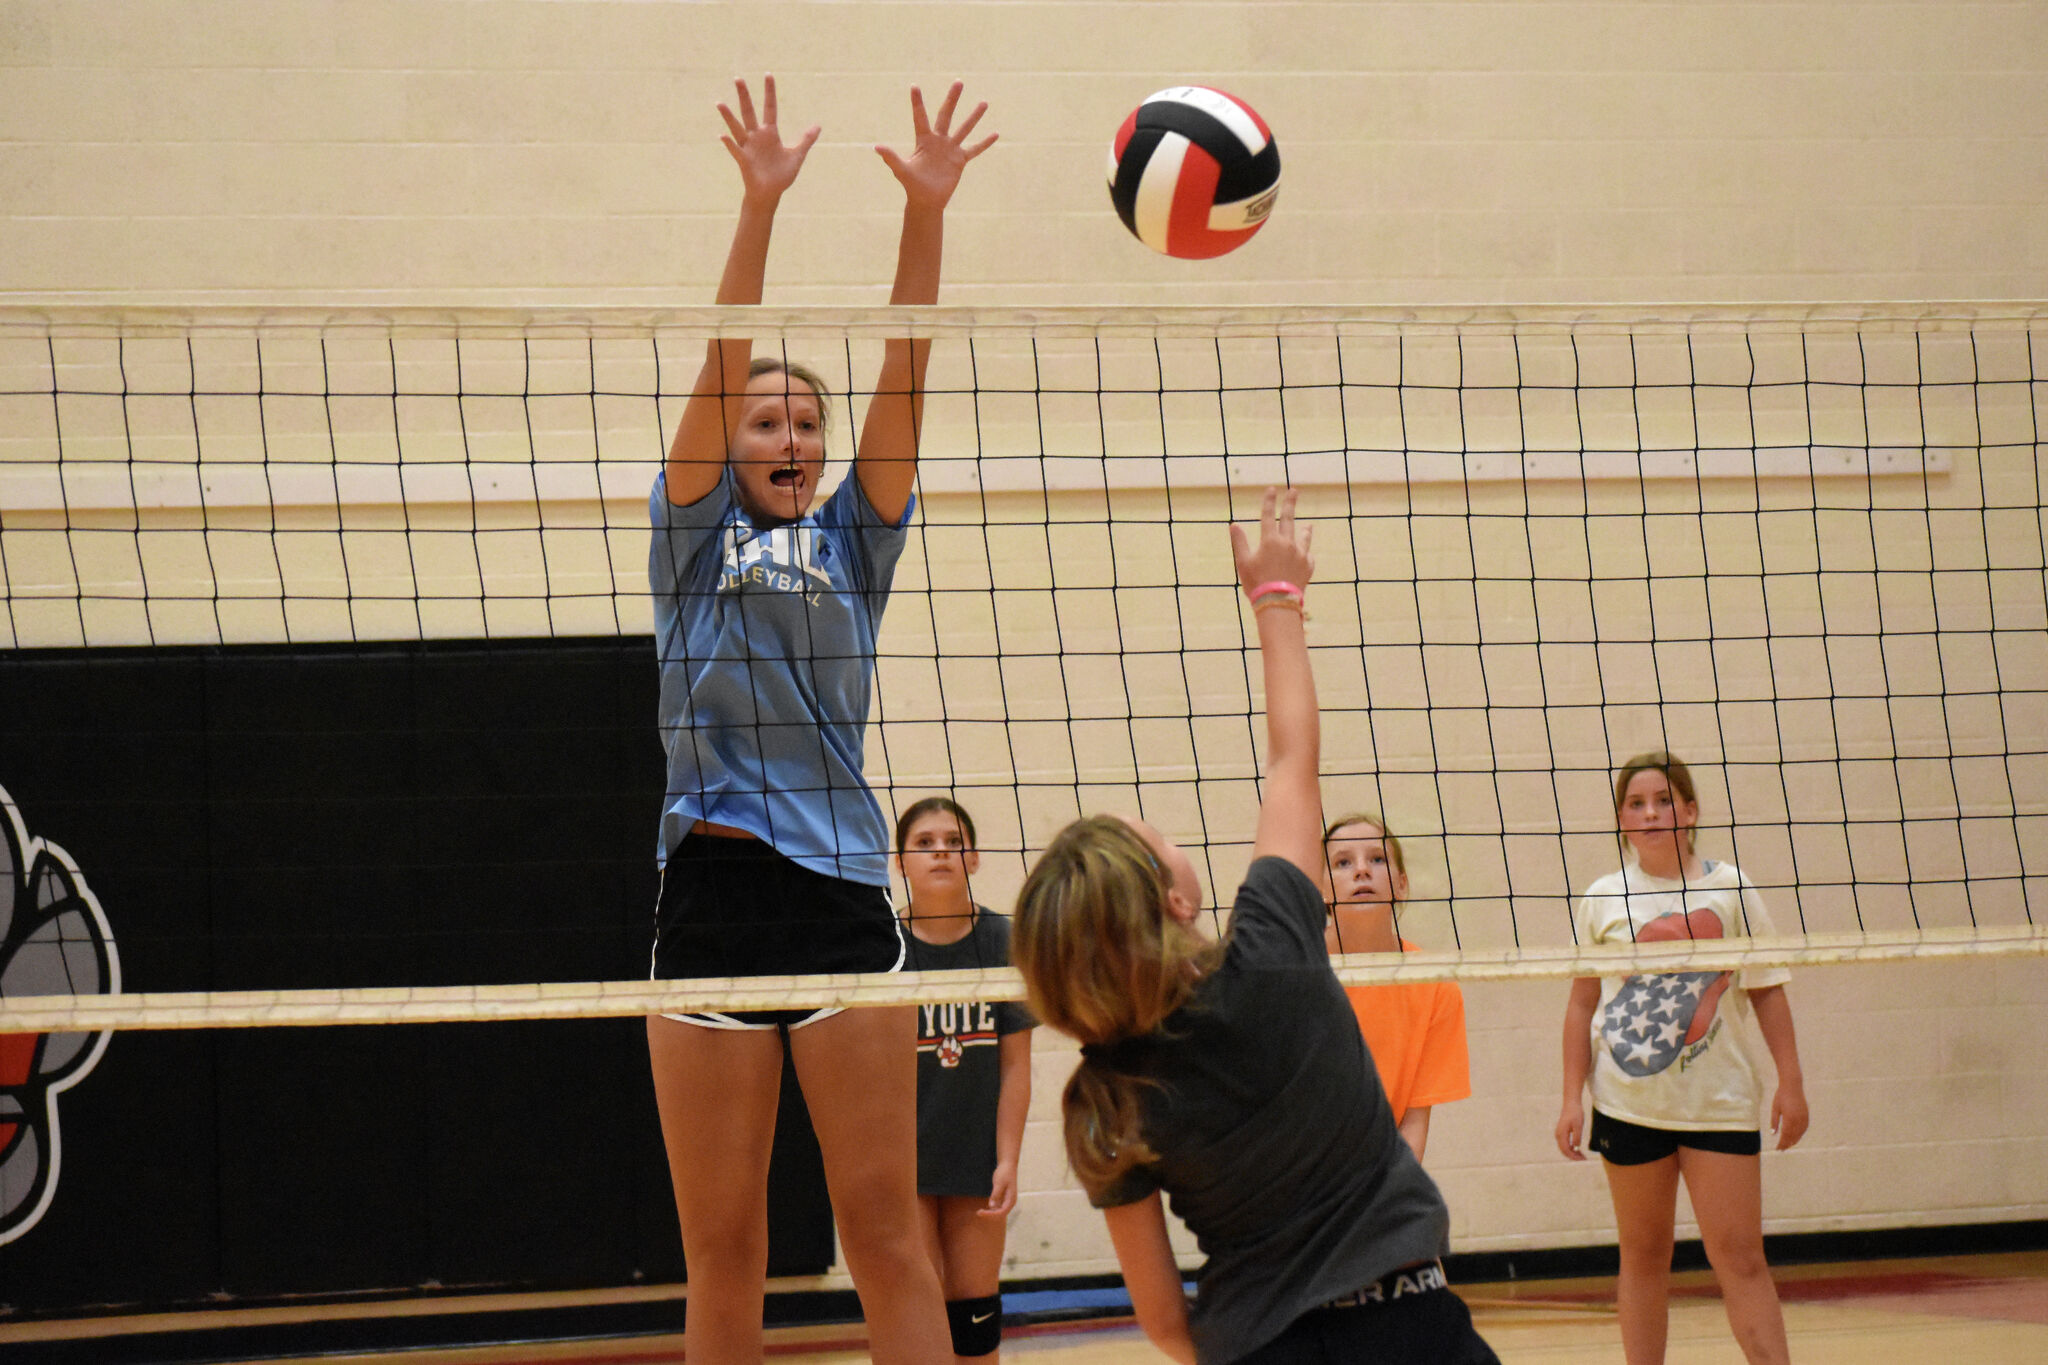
{"x":1728,"y":1201}
{"x":718,"y":1091}
{"x":966,"y":1247}
{"x":1645,"y":1206}
{"x":859,"y":1074}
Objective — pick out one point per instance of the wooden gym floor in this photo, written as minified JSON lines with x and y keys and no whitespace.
{"x":1965,"y":1310}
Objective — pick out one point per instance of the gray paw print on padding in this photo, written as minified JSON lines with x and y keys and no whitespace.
{"x":54,"y":940}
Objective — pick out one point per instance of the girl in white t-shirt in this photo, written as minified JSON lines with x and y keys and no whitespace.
{"x":1675,"y":1093}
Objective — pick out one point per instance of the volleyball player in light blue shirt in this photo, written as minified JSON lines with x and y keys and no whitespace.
{"x":774,"y":849}
{"x":768,"y":648}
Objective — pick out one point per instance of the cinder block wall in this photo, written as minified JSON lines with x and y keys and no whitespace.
{"x":526,"y":152}
{"x":1925,"y":1114}
{"x":1433,"y":152}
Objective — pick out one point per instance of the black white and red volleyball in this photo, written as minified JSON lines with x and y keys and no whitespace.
{"x":1194,"y":172}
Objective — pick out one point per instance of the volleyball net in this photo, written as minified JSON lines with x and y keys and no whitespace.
{"x":1801,"y":549}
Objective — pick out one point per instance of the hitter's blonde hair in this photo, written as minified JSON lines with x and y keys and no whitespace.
{"x":1104,"y":960}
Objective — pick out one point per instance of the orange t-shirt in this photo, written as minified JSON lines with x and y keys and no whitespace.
{"x":1416,"y":1034}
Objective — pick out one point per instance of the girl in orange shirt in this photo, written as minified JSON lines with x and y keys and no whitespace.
{"x":1416,"y":1033}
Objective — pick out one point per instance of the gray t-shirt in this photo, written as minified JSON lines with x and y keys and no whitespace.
{"x":1276,"y":1146}
{"x":959,"y":1063}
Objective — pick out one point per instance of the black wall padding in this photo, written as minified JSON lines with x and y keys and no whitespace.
{"x":425,"y":814}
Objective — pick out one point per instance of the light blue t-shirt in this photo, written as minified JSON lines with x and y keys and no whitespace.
{"x":766,"y":641}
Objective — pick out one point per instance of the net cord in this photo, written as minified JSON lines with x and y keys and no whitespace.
{"x":614,"y":999}
{"x":60,"y":316}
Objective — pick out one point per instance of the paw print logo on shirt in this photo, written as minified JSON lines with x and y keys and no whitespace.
{"x":54,"y":940}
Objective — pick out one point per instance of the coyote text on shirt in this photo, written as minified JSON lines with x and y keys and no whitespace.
{"x":959,"y":1063}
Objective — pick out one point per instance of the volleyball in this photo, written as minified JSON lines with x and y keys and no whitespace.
{"x":1193,"y":172}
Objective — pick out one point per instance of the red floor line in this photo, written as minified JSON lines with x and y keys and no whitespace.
{"x":1047,"y":1329}
{"x":630,"y":1358}
{"x":808,"y":1346}
{"x":1821,"y":1290}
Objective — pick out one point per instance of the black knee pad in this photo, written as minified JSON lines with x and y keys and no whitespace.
{"x":977,"y":1324}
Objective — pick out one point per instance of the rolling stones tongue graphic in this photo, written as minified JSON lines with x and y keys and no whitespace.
{"x":1654,"y":1018}
{"x":53,"y":941}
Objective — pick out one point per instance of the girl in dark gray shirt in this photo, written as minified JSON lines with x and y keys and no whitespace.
{"x":973,"y":1074}
{"x":1232,"y":1077}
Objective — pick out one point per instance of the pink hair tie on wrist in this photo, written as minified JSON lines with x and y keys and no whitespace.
{"x":1279,"y":593}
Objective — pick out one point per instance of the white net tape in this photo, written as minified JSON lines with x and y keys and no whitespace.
{"x":599,"y":999}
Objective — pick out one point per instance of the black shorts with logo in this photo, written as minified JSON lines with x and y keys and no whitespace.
{"x":1409,"y":1315}
{"x":736,"y":907}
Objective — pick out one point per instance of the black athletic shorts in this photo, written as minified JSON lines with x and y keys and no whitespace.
{"x":1407,"y":1316}
{"x":1633,"y":1144}
{"x":736,"y":907}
